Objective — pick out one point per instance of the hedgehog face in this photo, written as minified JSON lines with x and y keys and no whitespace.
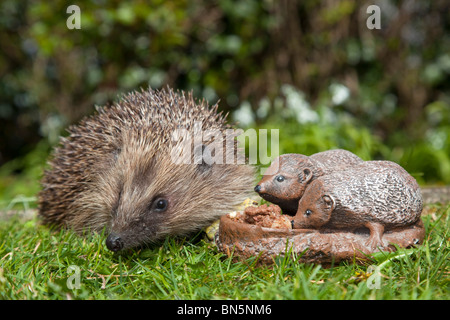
{"x":156,"y":198}
{"x":314,"y":208}
{"x":137,"y":206}
{"x":137,"y":226}
{"x":284,"y":183}
{"x":145,"y":200}
{"x":284,"y":186}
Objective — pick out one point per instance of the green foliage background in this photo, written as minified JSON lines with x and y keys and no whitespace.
{"x":309,"y":68}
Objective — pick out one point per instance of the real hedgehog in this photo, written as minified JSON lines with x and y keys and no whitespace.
{"x":116,"y":171}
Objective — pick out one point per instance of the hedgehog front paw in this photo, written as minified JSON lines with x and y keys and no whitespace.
{"x":375,"y":239}
{"x":374,"y":243}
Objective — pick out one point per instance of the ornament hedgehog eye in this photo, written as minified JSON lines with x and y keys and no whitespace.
{"x":308,"y":212}
{"x":280,"y":178}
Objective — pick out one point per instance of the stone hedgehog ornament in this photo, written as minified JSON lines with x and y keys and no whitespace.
{"x":118,"y":170}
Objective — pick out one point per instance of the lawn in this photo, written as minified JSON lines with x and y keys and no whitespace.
{"x":39,"y":263}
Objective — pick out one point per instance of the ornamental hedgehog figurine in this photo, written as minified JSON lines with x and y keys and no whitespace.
{"x":286,"y":179}
{"x":378,"y":195}
{"x":121,"y":170}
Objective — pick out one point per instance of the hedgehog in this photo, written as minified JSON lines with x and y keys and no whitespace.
{"x":129,"y":169}
{"x":377,"y":195}
{"x":285,"y":181}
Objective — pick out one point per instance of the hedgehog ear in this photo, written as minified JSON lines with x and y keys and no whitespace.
{"x":329,"y":202}
{"x":116,"y":153}
{"x":305,"y":176}
{"x":202,"y":157}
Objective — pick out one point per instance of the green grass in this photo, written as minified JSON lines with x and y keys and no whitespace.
{"x":35,"y":261}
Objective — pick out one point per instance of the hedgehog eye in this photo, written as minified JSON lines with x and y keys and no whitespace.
{"x":160,"y":205}
{"x":280,"y":178}
{"x":308,"y":212}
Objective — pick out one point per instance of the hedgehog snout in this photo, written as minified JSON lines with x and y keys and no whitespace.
{"x":257,"y":188}
{"x":114,"y":242}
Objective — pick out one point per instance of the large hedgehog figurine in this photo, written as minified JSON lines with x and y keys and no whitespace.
{"x":121,"y":170}
{"x":288,"y":176}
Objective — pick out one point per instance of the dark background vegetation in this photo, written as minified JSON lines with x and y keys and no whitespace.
{"x":309,"y":68}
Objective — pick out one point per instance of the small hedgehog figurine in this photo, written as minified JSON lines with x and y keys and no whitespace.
{"x":116,"y":170}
